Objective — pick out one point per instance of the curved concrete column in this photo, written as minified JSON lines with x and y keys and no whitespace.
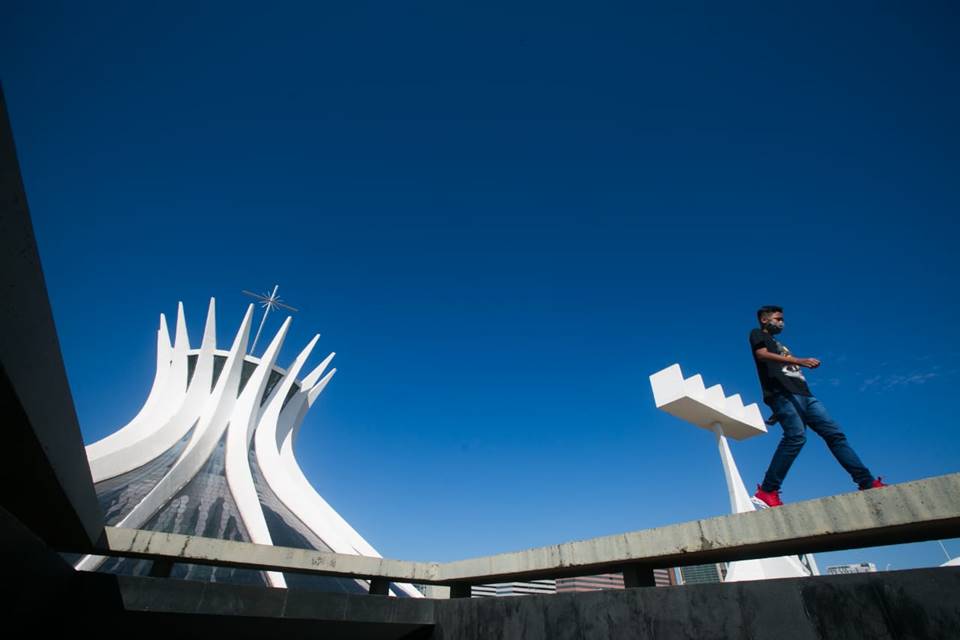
{"x":291,"y":485}
{"x":274,"y":423}
{"x":218,"y":411}
{"x":159,"y":437}
{"x":151,"y":411}
{"x":209,"y":429}
{"x":239,"y":436}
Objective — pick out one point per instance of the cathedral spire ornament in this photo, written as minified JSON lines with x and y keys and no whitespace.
{"x":269,"y":302}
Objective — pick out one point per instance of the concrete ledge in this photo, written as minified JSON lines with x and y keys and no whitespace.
{"x":919,"y":603}
{"x":159,"y":595}
{"x":138,"y":543}
{"x":908,"y":512}
{"x":896,"y":605}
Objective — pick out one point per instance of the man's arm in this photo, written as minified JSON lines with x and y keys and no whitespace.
{"x":763,"y":354}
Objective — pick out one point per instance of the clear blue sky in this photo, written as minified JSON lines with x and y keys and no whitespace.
{"x":503,"y":219}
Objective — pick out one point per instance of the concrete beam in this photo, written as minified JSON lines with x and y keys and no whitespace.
{"x":138,"y":543}
{"x":185,"y":608}
{"x":908,"y":512}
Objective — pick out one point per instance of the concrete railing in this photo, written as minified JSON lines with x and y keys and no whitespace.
{"x":908,"y":512}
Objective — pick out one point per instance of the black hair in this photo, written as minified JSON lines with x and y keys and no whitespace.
{"x":766,"y":310}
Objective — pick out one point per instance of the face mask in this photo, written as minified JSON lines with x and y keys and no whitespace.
{"x":772,"y":328}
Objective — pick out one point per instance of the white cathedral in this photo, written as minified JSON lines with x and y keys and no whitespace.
{"x":211,"y":454}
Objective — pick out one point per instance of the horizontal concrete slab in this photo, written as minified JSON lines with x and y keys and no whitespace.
{"x":911,"y":511}
{"x":907,"y":512}
{"x":210,"y":598}
{"x":892,"y":605}
{"x":138,"y":543}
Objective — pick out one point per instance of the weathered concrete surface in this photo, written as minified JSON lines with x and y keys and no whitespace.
{"x":901,"y":605}
{"x":139,"y":543}
{"x":906,"y":512}
{"x":47,"y":483}
{"x":109,"y":606}
{"x":209,"y":598}
{"x":919,"y":510}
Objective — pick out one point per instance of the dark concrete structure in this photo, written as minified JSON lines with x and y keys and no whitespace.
{"x":906,"y":604}
{"x":41,"y":423}
{"x":917,"y":604}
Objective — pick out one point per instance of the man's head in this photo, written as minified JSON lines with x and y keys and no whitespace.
{"x":770,"y":318}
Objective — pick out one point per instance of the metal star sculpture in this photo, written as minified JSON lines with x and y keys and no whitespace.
{"x":268,"y":301}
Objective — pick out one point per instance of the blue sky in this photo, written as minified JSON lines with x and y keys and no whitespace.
{"x":503,"y":219}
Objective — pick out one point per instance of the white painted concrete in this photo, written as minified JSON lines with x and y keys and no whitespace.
{"x":687,"y":399}
{"x":172,"y":409}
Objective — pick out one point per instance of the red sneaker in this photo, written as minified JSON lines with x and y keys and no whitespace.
{"x":764,"y":499}
{"x":876,"y":484}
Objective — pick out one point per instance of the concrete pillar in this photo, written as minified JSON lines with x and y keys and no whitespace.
{"x":638,"y":575}
{"x":379,"y":587}
{"x":161,"y":568}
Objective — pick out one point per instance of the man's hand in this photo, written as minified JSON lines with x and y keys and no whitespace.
{"x":810,"y":363}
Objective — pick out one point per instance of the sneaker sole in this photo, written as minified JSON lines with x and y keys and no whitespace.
{"x":758,"y":503}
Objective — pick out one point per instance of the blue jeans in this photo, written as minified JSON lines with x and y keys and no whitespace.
{"x":795,"y":413}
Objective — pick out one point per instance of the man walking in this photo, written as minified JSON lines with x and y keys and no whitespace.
{"x":785,"y":390}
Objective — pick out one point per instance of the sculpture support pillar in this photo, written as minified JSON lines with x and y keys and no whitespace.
{"x":379,"y":587}
{"x":161,"y":568}
{"x":739,"y":498}
{"x":635,"y":575}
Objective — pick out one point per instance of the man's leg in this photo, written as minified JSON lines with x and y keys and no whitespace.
{"x":790,"y":444}
{"x":816,"y":417}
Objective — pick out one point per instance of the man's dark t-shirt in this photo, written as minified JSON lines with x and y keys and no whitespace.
{"x":776,"y":377}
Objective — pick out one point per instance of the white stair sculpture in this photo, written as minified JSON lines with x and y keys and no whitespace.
{"x":726,"y":416}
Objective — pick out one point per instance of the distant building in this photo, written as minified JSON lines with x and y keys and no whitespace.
{"x":703,"y":573}
{"x":863,"y":567}
{"x":501,"y":589}
{"x":662,"y":578}
{"x":590,"y":583}
{"x":665,"y":577}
